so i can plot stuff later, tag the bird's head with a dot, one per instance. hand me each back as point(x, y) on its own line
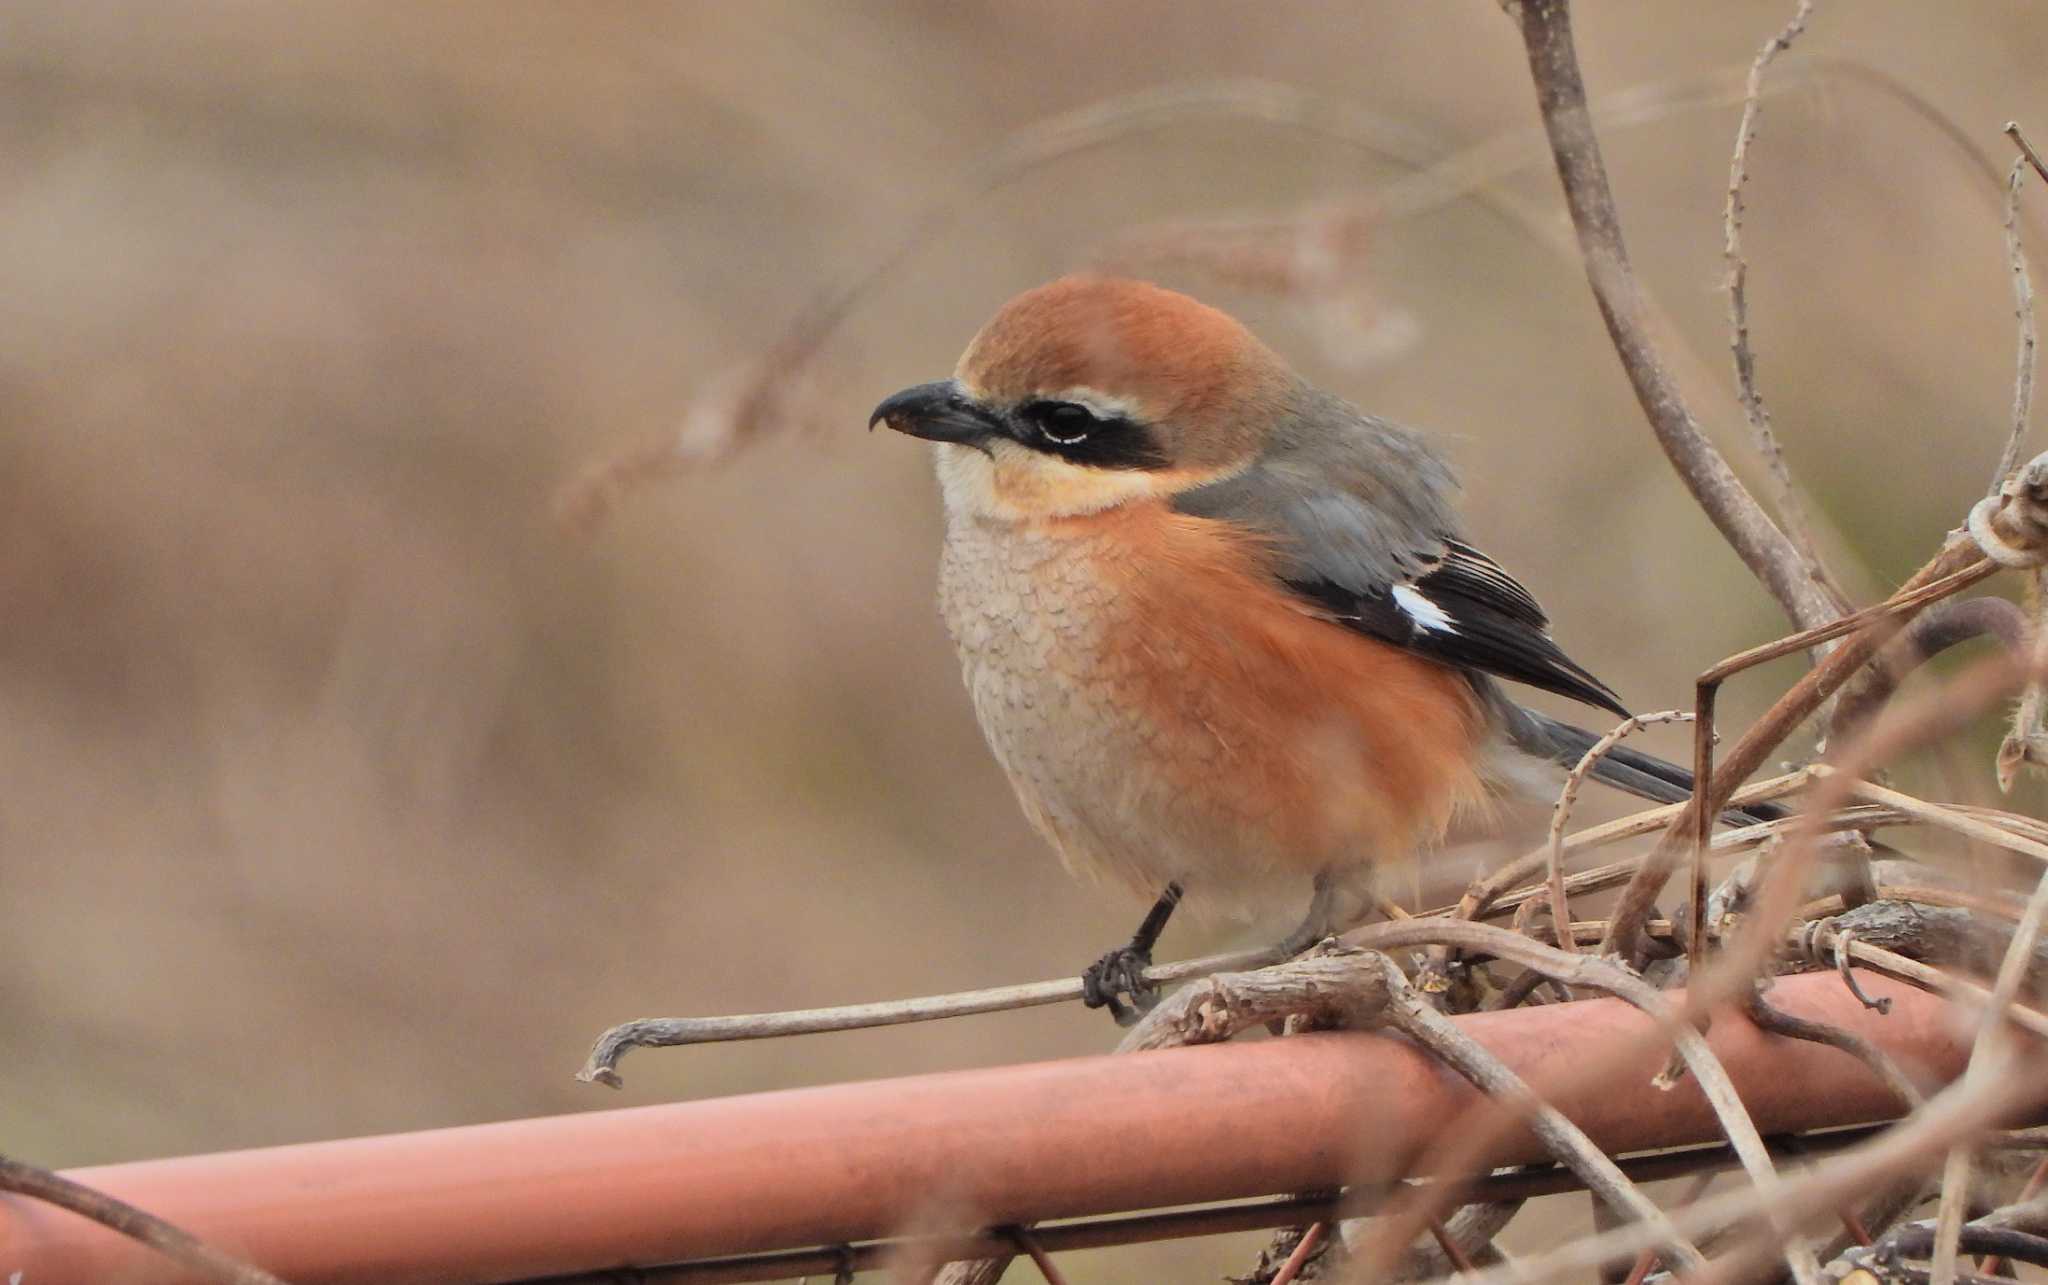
point(1091, 392)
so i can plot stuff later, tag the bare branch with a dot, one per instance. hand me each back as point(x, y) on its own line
point(765, 395)
point(1940, 981)
point(1790, 510)
point(2026, 739)
point(2023, 312)
point(1491, 896)
point(1951, 1115)
point(1940, 627)
point(1960, 564)
point(1769, 1017)
point(1407, 1012)
point(1326, 988)
point(173, 1242)
point(1984, 1059)
point(1304, 1249)
point(1606, 975)
point(1561, 97)
point(670, 1032)
point(1560, 815)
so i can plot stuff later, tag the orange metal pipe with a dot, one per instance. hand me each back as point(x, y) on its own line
point(1009, 1144)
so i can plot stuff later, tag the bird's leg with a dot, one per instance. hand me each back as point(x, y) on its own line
point(1122, 971)
point(1316, 924)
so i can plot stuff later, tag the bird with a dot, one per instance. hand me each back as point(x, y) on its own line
point(1222, 629)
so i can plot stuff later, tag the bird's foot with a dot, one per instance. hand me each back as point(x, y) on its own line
point(1119, 973)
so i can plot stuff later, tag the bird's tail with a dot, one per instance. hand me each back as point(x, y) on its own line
point(1644, 775)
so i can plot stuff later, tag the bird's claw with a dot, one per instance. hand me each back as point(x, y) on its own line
point(1120, 972)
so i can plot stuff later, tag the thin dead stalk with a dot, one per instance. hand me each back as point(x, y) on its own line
point(1991, 1038)
point(2024, 742)
point(1769, 1017)
point(1406, 1221)
point(1561, 99)
point(755, 399)
point(2023, 313)
point(1959, 565)
point(1790, 509)
point(1039, 1258)
point(1304, 1249)
point(1498, 888)
point(1560, 815)
point(1940, 981)
point(1409, 1013)
point(1903, 1149)
point(173, 1242)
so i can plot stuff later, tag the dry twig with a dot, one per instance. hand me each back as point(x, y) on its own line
point(173, 1242)
point(1560, 907)
point(1959, 565)
point(1768, 1017)
point(2023, 312)
point(1797, 529)
point(1304, 1249)
point(1403, 1224)
point(1903, 1149)
point(1940, 981)
point(749, 402)
point(1942, 626)
point(1991, 1036)
point(1561, 98)
point(1407, 1012)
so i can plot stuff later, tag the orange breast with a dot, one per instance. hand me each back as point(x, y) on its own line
point(1309, 743)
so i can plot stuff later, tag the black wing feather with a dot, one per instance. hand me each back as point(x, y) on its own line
point(1491, 624)
point(1380, 557)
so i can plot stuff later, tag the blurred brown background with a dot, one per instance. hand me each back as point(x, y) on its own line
point(341, 792)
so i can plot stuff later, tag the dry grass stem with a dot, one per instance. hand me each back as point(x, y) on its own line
point(1903, 1149)
point(1560, 815)
point(1985, 1051)
point(1304, 1249)
point(1959, 565)
point(1409, 1013)
point(1576, 971)
point(1039, 1258)
point(754, 400)
point(2026, 740)
point(173, 1242)
point(2011, 832)
point(1790, 509)
point(1941, 626)
point(1938, 980)
point(1561, 99)
point(2023, 314)
point(1499, 888)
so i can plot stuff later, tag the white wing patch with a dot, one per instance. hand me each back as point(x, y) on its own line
point(1426, 614)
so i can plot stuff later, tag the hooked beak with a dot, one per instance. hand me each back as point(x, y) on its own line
point(939, 412)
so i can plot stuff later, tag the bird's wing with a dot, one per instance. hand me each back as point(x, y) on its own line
point(1460, 608)
point(1385, 563)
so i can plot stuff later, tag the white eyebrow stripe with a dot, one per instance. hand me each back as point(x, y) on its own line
point(1426, 614)
point(1101, 405)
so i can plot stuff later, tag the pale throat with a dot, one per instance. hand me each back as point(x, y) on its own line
point(1014, 483)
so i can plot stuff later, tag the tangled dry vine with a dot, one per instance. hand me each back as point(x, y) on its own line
point(1899, 914)
point(1809, 891)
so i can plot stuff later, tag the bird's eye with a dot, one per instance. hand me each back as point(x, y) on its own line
point(1063, 423)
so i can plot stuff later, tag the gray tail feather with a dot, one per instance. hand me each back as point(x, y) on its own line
point(1644, 775)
